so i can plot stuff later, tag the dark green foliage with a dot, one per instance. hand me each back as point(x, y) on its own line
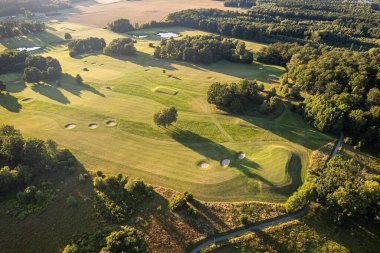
point(40, 68)
point(117, 197)
point(81, 46)
point(332, 22)
point(243, 218)
point(68, 36)
point(240, 3)
point(3, 87)
point(177, 203)
point(300, 198)
point(165, 117)
point(10, 28)
point(188, 196)
point(113, 239)
point(126, 240)
point(120, 46)
point(12, 61)
point(121, 26)
point(71, 201)
point(203, 49)
point(234, 96)
point(28, 159)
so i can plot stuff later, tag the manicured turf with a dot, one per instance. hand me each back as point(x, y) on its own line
point(123, 90)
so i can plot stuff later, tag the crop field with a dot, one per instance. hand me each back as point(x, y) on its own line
point(107, 120)
point(100, 12)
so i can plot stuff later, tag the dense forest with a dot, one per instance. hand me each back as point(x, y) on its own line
point(343, 25)
point(344, 86)
point(203, 49)
point(10, 28)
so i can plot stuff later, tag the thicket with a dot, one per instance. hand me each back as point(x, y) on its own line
point(203, 49)
point(38, 68)
point(81, 46)
point(120, 46)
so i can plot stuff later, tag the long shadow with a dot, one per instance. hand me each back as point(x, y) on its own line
point(16, 86)
point(68, 83)
point(207, 213)
point(10, 102)
point(51, 92)
point(216, 152)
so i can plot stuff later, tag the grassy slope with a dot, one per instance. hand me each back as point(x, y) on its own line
point(136, 147)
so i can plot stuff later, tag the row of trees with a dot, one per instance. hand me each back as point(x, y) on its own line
point(121, 46)
point(10, 28)
point(36, 68)
point(236, 97)
point(276, 22)
point(240, 3)
point(204, 49)
point(88, 45)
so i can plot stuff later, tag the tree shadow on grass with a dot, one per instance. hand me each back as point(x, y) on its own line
point(69, 84)
point(51, 92)
point(10, 102)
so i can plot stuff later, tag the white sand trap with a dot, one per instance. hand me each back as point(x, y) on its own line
point(70, 126)
point(204, 165)
point(26, 100)
point(111, 123)
point(92, 126)
point(241, 156)
point(226, 162)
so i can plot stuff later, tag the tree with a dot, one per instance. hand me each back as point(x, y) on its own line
point(32, 75)
point(120, 46)
point(79, 79)
point(121, 26)
point(68, 36)
point(12, 149)
point(3, 87)
point(373, 96)
point(165, 117)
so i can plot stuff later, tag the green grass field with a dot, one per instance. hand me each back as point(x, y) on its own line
point(130, 90)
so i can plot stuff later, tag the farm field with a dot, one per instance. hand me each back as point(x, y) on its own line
point(100, 12)
point(107, 121)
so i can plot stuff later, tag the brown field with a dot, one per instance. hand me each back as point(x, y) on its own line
point(99, 13)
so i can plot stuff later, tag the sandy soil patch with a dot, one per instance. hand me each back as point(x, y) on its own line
point(92, 125)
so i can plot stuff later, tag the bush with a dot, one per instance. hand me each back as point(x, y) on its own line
point(243, 218)
point(71, 201)
point(177, 203)
point(81, 178)
point(188, 196)
point(300, 198)
point(126, 240)
point(68, 36)
point(192, 212)
point(71, 248)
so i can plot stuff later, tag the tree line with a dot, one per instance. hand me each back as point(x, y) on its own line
point(13, 7)
point(10, 28)
point(35, 67)
point(120, 46)
point(279, 22)
point(203, 49)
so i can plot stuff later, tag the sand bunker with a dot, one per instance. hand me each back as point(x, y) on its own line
point(241, 156)
point(111, 123)
point(204, 165)
point(92, 126)
point(26, 100)
point(226, 162)
point(70, 126)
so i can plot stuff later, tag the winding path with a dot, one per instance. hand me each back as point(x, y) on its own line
point(265, 224)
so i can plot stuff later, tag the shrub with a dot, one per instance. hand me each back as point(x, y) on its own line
point(188, 196)
point(71, 248)
point(177, 203)
point(126, 240)
point(192, 212)
point(71, 201)
point(68, 36)
point(300, 198)
point(243, 218)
